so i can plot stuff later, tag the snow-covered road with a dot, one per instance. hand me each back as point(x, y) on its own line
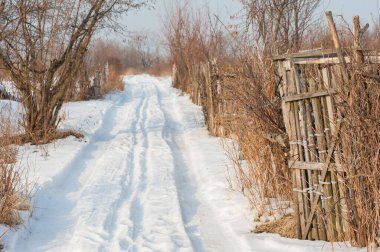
point(147, 178)
point(132, 187)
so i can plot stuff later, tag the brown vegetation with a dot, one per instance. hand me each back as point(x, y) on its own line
point(42, 47)
point(247, 105)
point(44, 52)
point(14, 196)
point(283, 227)
point(231, 74)
point(358, 103)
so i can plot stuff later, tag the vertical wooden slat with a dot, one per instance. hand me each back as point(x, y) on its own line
point(209, 97)
point(313, 103)
point(288, 119)
point(297, 149)
point(331, 199)
point(328, 192)
point(301, 125)
point(322, 149)
point(337, 45)
point(338, 191)
point(318, 226)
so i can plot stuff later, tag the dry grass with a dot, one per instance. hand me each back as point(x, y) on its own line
point(160, 69)
point(14, 196)
point(251, 114)
point(255, 119)
point(114, 82)
point(284, 227)
point(18, 139)
point(358, 103)
point(8, 128)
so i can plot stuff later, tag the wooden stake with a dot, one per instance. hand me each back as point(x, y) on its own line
point(303, 138)
point(288, 116)
point(337, 44)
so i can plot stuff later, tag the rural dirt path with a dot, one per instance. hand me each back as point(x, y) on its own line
point(138, 184)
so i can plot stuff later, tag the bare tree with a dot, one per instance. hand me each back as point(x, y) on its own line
point(193, 36)
point(142, 45)
point(42, 46)
point(279, 25)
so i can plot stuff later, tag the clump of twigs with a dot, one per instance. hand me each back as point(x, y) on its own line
point(239, 94)
point(260, 138)
point(283, 227)
point(358, 102)
point(234, 83)
point(14, 195)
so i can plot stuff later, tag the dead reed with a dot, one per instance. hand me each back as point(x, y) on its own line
point(239, 94)
point(14, 196)
point(283, 227)
point(114, 81)
point(358, 103)
point(260, 134)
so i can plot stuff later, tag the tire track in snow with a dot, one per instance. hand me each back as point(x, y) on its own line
point(112, 161)
point(117, 224)
point(187, 204)
point(156, 195)
point(136, 208)
point(198, 216)
point(131, 187)
point(59, 222)
point(128, 223)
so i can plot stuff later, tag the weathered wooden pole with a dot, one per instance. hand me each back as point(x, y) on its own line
point(358, 35)
point(337, 44)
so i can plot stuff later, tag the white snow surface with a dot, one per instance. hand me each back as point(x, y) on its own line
point(8, 88)
point(147, 177)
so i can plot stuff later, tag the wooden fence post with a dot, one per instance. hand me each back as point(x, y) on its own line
point(337, 45)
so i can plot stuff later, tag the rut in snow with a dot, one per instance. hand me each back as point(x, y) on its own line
point(133, 186)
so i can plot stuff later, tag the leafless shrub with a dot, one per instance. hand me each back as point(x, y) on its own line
point(42, 47)
point(192, 37)
point(278, 26)
point(12, 196)
point(358, 103)
point(251, 104)
point(274, 27)
point(261, 137)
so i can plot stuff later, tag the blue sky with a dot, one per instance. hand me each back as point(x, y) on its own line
point(366, 9)
point(152, 19)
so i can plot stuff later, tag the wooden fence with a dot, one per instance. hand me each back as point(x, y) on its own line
point(205, 87)
point(308, 89)
point(309, 86)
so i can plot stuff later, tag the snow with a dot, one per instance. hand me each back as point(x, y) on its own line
point(7, 88)
point(147, 177)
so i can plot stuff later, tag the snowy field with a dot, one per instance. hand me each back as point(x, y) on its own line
point(147, 177)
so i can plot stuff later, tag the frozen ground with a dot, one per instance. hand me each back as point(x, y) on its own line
point(147, 177)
